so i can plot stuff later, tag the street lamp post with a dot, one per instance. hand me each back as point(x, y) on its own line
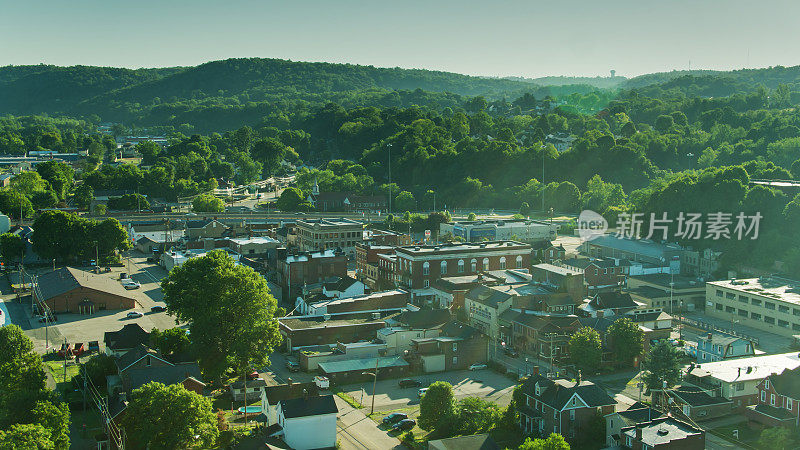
point(374, 383)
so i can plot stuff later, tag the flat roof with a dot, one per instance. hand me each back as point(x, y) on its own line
point(664, 279)
point(461, 247)
point(557, 269)
point(746, 369)
point(253, 240)
point(361, 364)
point(339, 222)
point(503, 223)
point(768, 287)
point(300, 323)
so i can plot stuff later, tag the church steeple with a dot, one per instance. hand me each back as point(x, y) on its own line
point(315, 189)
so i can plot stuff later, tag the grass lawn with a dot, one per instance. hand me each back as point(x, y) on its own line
point(746, 434)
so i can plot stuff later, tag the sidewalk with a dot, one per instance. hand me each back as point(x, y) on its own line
point(357, 431)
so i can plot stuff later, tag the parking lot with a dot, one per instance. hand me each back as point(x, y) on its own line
point(84, 328)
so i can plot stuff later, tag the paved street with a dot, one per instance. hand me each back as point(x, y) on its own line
point(357, 431)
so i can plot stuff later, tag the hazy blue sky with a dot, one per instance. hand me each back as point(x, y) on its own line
point(522, 38)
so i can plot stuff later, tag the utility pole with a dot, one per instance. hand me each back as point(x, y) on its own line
point(390, 178)
point(542, 179)
point(65, 360)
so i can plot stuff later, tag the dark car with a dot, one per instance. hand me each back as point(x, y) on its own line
point(158, 308)
point(403, 425)
point(292, 366)
point(408, 382)
point(394, 417)
point(511, 352)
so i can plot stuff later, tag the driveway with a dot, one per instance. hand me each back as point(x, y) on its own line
point(357, 431)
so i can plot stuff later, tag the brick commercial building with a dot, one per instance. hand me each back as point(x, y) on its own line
point(72, 290)
point(457, 347)
point(294, 271)
point(386, 237)
point(494, 230)
point(367, 263)
point(560, 278)
point(322, 234)
point(653, 290)
point(417, 267)
point(603, 273)
point(328, 329)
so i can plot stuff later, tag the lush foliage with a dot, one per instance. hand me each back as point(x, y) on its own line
point(207, 203)
point(67, 237)
point(231, 314)
point(661, 366)
point(626, 340)
point(552, 442)
point(436, 406)
point(585, 350)
point(169, 417)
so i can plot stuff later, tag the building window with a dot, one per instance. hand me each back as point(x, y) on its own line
point(772, 399)
point(426, 268)
point(769, 305)
point(455, 360)
point(719, 293)
point(485, 264)
point(460, 266)
point(503, 263)
point(519, 262)
point(783, 323)
point(783, 309)
point(789, 403)
point(763, 396)
point(426, 283)
point(766, 384)
point(743, 299)
point(473, 265)
point(730, 295)
point(755, 302)
point(718, 306)
point(769, 320)
point(455, 346)
point(739, 386)
point(755, 316)
point(444, 267)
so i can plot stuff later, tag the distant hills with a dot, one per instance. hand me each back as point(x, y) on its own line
point(131, 95)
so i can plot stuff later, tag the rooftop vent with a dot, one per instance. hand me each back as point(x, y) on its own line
point(662, 432)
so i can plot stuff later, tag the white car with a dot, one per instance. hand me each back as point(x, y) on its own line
point(127, 283)
point(134, 315)
point(477, 366)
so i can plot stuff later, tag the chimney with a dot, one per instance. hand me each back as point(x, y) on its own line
point(578, 379)
point(289, 381)
point(639, 434)
point(708, 336)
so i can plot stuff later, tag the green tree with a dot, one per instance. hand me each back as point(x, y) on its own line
point(55, 418)
point(13, 202)
point(84, 196)
point(270, 152)
point(661, 365)
point(777, 438)
point(552, 442)
point(21, 368)
point(58, 174)
point(98, 367)
point(796, 169)
point(171, 341)
point(293, 199)
point(626, 340)
point(436, 406)
point(100, 209)
point(129, 202)
point(585, 349)
point(28, 183)
point(207, 203)
point(476, 415)
point(26, 436)
point(109, 235)
point(169, 417)
point(11, 247)
point(525, 209)
point(231, 314)
point(664, 123)
point(471, 217)
point(405, 202)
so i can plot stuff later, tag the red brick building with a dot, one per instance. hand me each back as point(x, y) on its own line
point(329, 329)
point(417, 267)
point(778, 400)
point(598, 274)
point(293, 271)
point(72, 290)
point(367, 270)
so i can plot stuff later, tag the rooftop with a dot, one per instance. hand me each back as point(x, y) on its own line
point(770, 287)
point(66, 279)
point(300, 323)
point(504, 223)
point(557, 269)
point(320, 223)
point(301, 257)
point(474, 442)
point(419, 250)
point(745, 369)
point(642, 247)
point(253, 240)
point(664, 279)
point(662, 431)
point(311, 406)
point(361, 364)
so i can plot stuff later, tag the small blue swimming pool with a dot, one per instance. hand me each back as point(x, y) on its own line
point(250, 409)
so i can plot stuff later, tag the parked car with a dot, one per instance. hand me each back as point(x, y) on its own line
point(94, 346)
point(292, 366)
point(134, 315)
point(66, 350)
point(409, 382)
point(511, 352)
point(421, 392)
point(79, 349)
point(477, 366)
point(403, 425)
point(158, 308)
point(322, 382)
point(394, 417)
point(131, 284)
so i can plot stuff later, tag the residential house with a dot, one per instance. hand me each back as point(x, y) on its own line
point(206, 228)
point(562, 406)
point(737, 379)
point(73, 290)
point(598, 273)
point(456, 348)
point(343, 287)
point(778, 400)
point(544, 336)
point(612, 303)
point(129, 337)
point(716, 347)
point(483, 306)
point(297, 417)
point(142, 365)
point(272, 395)
point(616, 421)
point(255, 389)
point(560, 278)
point(662, 434)
point(554, 253)
point(474, 442)
point(409, 325)
point(700, 404)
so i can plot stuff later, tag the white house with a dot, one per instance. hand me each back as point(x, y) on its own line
point(308, 423)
